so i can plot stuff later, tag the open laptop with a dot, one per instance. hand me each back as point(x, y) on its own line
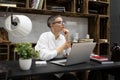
point(80, 53)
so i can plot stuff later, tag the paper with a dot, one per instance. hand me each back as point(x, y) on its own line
point(41, 62)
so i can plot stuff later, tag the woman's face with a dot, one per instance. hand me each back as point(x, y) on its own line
point(58, 25)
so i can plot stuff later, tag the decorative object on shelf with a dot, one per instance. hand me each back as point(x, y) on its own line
point(18, 25)
point(75, 37)
point(115, 52)
point(26, 52)
point(3, 35)
point(79, 4)
point(87, 36)
point(103, 40)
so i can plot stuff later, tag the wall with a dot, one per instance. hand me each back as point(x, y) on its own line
point(75, 25)
point(115, 21)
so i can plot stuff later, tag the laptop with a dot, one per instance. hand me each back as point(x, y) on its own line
point(80, 53)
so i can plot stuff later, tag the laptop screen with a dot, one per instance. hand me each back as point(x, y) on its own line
point(80, 53)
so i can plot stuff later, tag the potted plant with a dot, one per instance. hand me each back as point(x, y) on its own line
point(26, 52)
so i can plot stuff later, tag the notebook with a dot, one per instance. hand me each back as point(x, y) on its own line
point(80, 52)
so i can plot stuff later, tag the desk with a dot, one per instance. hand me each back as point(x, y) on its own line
point(14, 70)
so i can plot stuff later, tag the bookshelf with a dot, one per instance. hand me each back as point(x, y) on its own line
point(4, 50)
point(97, 12)
point(4, 44)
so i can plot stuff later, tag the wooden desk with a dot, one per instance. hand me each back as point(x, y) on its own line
point(14, 70)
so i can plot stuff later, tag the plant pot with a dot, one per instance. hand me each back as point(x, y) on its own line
point(25, 64)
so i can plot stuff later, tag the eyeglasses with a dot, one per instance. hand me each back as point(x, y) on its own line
point(59, 22)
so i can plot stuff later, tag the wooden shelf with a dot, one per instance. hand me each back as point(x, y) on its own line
point(97, 12)
point(46, 12)
point(4, 50)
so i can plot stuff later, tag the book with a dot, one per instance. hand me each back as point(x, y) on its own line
point(40, 5)
point(101, 59)
point(34, 4)
point(37, 4)
point(98, 58)
point(103, 62)
point(57, 8)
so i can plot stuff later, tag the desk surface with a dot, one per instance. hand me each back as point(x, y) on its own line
point(15, 71)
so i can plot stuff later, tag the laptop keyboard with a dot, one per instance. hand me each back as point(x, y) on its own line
point(64, 61)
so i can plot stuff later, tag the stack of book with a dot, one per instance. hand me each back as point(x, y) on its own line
point(85, 40)
point(103, 40)
point(100, 59)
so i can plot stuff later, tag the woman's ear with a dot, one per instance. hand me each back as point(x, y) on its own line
point(51, 25)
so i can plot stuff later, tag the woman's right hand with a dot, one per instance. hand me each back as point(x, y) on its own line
point(66, 34)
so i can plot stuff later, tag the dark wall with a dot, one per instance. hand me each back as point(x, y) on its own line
point(115, 21)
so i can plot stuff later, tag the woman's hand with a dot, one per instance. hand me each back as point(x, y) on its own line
point(66, 45)
point(66, 34)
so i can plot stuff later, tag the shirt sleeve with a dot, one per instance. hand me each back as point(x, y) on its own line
point(42, 46)
point(67, 51)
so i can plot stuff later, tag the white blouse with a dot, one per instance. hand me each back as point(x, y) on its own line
point(47, 45)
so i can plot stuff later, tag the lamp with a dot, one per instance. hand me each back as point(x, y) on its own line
point(18, 25)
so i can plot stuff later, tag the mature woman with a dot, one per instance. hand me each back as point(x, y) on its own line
point(53, 44)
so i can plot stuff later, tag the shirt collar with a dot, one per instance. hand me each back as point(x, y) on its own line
point(54, 35)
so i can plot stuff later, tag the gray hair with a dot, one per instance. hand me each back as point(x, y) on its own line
point(51, 19)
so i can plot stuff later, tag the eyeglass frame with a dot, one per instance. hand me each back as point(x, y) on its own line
point(59, 22)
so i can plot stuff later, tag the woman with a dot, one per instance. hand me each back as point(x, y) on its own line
point(53, 44)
